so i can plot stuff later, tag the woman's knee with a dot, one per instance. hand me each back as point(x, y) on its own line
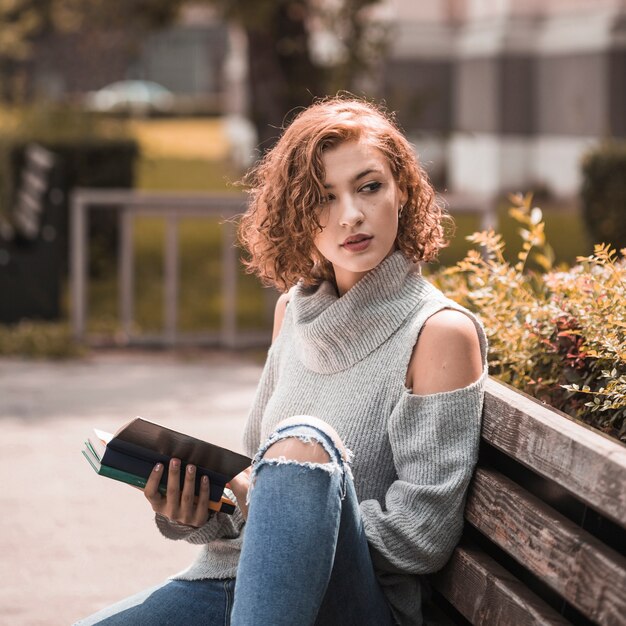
point(295, 449)
point(305, 448)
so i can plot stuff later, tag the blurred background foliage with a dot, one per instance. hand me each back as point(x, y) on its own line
point(191, 154)
point(603, 192)
point(557, 334)
point(283, 75)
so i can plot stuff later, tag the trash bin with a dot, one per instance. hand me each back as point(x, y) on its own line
point(31, 254)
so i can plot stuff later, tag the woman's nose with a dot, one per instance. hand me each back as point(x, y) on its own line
point(351, 214)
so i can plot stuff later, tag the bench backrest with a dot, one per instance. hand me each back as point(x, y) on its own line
point(545, 521)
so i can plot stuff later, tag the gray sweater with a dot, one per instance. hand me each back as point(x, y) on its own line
point(344, 360)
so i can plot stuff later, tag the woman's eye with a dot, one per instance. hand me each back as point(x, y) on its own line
point(326, 199)
point(371, 187)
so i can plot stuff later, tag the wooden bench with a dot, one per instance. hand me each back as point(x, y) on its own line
point(545, 531)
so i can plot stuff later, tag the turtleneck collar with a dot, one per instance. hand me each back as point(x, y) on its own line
point(333, 333)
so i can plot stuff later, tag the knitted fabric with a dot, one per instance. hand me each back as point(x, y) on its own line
point(344, 360)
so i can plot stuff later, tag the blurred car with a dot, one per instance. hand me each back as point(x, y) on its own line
point(136, 97)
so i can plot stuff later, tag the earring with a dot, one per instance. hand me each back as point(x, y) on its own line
point(400, 211)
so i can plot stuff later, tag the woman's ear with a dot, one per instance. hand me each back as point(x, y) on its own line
point(404, 196)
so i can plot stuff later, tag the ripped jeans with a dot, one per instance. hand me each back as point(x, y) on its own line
point(305, 558)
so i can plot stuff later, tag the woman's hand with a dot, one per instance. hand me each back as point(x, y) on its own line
point(179, 507)
point(239, 486)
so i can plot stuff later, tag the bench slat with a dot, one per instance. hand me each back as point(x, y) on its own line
point(583, 461)
point(588, 574)
point(485, 593)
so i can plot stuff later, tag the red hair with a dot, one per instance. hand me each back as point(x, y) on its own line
point(287, 186)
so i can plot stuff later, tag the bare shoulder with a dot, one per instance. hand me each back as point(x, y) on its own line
point(279, 313)
point(446, 355)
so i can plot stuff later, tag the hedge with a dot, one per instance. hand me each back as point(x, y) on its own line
point(604, 193)
point(557, 334)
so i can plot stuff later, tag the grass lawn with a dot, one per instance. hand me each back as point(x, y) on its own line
point(175, 174)
point(565, 232)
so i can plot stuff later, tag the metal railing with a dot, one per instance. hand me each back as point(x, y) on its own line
point(172, 208)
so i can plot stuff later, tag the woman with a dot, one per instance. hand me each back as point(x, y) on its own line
point(366, 421)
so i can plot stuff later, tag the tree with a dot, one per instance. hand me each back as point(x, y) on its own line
point(284, 73)
point(24, 22)
point(20, 23)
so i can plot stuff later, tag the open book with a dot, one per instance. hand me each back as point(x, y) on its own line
point(131, 454)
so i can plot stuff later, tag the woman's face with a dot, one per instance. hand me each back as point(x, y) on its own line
point(359, 217)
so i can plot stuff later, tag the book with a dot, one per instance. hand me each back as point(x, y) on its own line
point(131, 453)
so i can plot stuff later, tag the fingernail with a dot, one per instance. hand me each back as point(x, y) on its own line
point(158, 467)
point(175, 463)
point(191, 469)
point(205, 480)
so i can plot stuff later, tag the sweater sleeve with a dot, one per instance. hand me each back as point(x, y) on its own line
point(222, 525)
point(218, 526)
point(434, 439)
point(264, 391)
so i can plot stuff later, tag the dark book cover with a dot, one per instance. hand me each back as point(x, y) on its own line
point(137, 446)
point(223, 505)
point(142, 437)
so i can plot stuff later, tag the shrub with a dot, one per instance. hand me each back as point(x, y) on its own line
point(604, 193)
point(38, 340)
point(90, 152)
point(557, 335)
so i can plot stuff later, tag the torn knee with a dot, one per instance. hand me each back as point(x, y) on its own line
point(317, 424)
point(295, 449)
point(309, 444)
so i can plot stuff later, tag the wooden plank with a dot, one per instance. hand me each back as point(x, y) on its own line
point(486, 593)
point(585, 462)
point(577, 565)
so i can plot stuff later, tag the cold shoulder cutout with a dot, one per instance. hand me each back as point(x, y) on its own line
point(446, 355)
point(279, 314)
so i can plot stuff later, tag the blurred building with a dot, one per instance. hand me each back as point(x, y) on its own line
point(495, 94)
point(186, 58)
point(507, 94)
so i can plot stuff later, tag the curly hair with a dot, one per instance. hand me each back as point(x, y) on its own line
point(287, 185)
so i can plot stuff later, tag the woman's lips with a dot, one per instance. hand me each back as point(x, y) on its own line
point(358, 244)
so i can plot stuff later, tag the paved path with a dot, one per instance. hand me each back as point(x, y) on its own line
point(71, 541)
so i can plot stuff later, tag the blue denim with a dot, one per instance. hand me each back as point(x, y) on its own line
point(173, 603)
point(305, 558)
